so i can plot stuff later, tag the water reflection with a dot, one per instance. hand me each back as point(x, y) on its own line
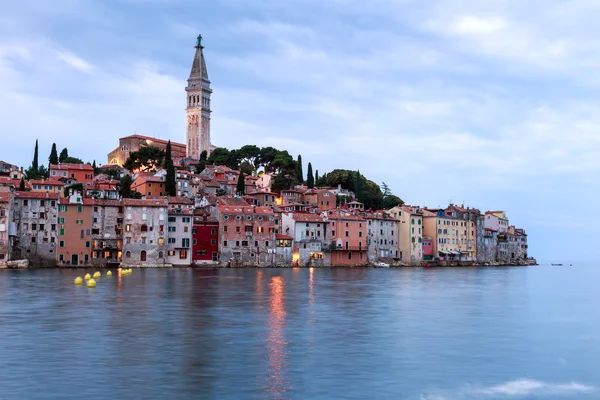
point(277, 383)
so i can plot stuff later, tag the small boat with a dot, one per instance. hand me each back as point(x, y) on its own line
point(382, 265)
point(556, 265)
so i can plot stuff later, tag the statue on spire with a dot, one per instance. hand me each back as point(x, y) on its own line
point(199, 40)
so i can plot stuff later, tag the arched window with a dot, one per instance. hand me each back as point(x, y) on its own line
point(413, 239)
point(143, 255)
point(127, 254)
point(161, 254)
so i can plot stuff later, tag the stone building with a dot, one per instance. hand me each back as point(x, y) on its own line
point(247, 234)
point(183, 182)
point(75, 230)
point(480, 239)
point(145, 233)
point(132, 143)
point(107, 233)
point(35, 216)
point(487, 251)
point(310, 235)
point(382, 236)
point(179, 247)
point(6, 205)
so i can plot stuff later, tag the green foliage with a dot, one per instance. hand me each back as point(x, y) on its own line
point(53, 159)
point(246, 167)
point(241, 185)
point(125, 187)
point(73, 160)
point(385, 189)
point(220, 156)
point(113, 173)
point(299, 172)
point(280, 183)
point(221, 192)
point(310, 179)
point(251, 154)
point(203, 155)
point(148, 158)
point(34, 163)
point(64, 154)
point(391, 201)
point(170, 182)
point(316, 177)
point(267, 155)
point(76, 187)
point(366, 191)
point(22, 184)
point(321, 181)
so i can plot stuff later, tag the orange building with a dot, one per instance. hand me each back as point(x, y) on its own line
point(50, 185)
point(78, 172)
point(75, 215)
point(149, 185)
point(323, 199)
point(348, 238)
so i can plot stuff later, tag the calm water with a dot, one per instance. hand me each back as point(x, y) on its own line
point(423, 334)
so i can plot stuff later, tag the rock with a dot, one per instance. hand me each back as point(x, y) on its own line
point(18, 264)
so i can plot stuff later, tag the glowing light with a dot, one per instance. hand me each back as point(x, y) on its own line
point(276, 383)
point(278, 201)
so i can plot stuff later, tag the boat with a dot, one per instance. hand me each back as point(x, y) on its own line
point(382, 265)
point(556, 265)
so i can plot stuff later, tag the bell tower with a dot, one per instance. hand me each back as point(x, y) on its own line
point(198, 106)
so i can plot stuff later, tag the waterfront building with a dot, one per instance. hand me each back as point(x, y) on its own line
point(497, 221)
point(382, 236)
point(6, 206)
point(35, 216)
point(487, 251)
point(427, 248)
point(247, 234)
point(205, 236)
point(180, 237)
point(107, 233)
point(467, 229)
point(480, 238)
point(145, 234)
point(6, 168)
point(198, 106)
point(524, 247)
point(348, 238)
point(310, 235)
point(72, 172)
point(75, 216)
point(410, 232)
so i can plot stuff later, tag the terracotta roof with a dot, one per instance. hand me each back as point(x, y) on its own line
point(262, 194)
point(152, 139)
point(108, 203)
point(181, 211)
point(231, 201)
point(37, 195)
point(85, 201)
point(145, 203)
point(8, 181)
point(283, 237)
point(307, 217)
point(4, 197)
point(245, 210)
point(180, 200)
point(151, 179)
point(55, 182)
point(83, 167)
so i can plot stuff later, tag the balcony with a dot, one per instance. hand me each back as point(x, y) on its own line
point(248, 233)
point(348, 248)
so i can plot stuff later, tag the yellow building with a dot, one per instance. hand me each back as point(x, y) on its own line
point(453, 232)
point(410, 233)
point(50, 186)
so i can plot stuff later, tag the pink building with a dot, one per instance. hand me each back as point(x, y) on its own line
point(427, 248)
point(348, 238)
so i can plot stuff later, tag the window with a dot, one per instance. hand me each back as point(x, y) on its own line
point(185, 242)
point(172, 219)
point(183, 254)
point(143, 240)
point(127, 240)
point(213, 241)
point(144, 228)
point(213, 231)
point(172, 240)
point(143, 255)
point(87, 244)
point(245, 243)
point(61, 232)
point(224, 243)
point(224, 228)
point(347, 233)
point(332, 233)
point(172, 229)
point(360, 234)
point(161, 241)
point(259, 229)
point(79, 209)
point(34, 227)
point(349, 255)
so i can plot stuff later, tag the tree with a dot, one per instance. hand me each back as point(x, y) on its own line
point(267, 155)
point(251, 154)
point(170, 182)
point(299, 172)
point(241, 185)
point(391, 201)
point(202, 163)
point(282, 161)
point(34, 163)
point(220, 156)
point(246, 167)
point(53, 159)
point(358, 187)
point(385, 189)
point(221, 192)
point(280, 183)
point(316, 178)
point(310, 179)
point(148, 158)
point(64, 154)
point(72, 160)
point(125, 187)
point(76, 187)
point(96, 169)
point(321, 181)
point(22, 184)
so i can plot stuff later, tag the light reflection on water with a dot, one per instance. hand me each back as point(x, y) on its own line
point(302, 334)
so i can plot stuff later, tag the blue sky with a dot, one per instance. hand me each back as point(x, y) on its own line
point(490, 103)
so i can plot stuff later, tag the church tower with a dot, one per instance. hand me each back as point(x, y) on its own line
point(198, 106)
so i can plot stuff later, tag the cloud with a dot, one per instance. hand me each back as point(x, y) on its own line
point(75, 62)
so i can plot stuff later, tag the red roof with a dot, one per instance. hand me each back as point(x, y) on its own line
point(67, 167)
point(180, 200)
point(109, 203)
point(181, 211)
point(37, 195)
point(145, 203)
point(283, 237)
point(152, 139)
point(54, 182)
point(85, 201)
point(302, 217)
point(245, 210)
point(4, 197)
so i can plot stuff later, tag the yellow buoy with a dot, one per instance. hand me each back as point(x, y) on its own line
point(87, 277)
point(109, 273)
point(97, 275)
point(91, 283)
point(78, 280)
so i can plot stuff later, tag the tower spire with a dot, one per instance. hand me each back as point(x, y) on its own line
point(198, 105)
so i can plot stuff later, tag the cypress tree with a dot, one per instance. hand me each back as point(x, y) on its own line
point(22, 184)
point(310, 179)
point(317, 177)
point(241, 185)
point(170, 183)
point(358, 186)
point(64, 154)
point(34, 163)
point(299, 169)
point(53, 159)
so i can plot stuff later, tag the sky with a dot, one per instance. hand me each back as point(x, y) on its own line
point(490, 104)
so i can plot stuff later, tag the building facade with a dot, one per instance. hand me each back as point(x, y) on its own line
point(348, 238)
point(75, 216)
point(145, 233)
point(107, 233)
point(6, 205)
point(309, 234)
point(180, 224)
point(205, 237)
point(382, 236)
